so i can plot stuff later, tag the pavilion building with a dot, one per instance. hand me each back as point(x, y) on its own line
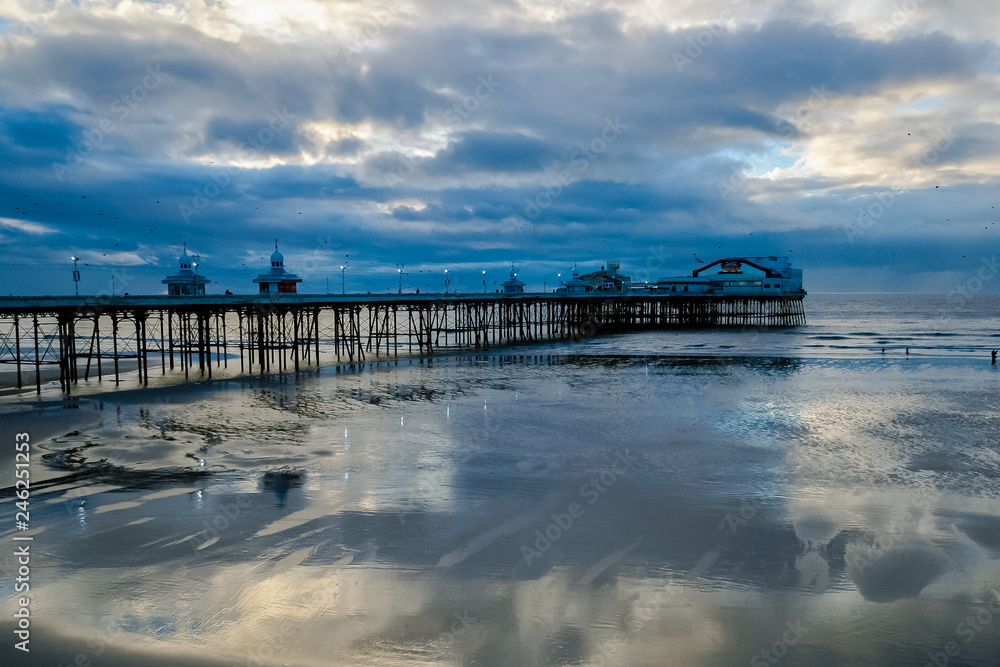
point(186, 282)
point(608, 279)
point(512, 285)
point(277, 280)
point(738, 276)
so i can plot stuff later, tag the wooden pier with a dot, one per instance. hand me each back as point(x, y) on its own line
point(96, 336)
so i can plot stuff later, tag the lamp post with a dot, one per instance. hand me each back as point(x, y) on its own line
point(399, 270)
point(484, 282)
point(446, 281)
point(343, 290)
point(76, 274)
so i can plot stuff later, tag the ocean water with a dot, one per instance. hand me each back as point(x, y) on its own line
point(794, 497)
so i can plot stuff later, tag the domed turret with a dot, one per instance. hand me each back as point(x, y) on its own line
point(513, 285)
point(186, 282)
point(277, 279)
point(577, 285)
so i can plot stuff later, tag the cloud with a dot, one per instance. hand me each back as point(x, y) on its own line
point(492, 152)
point(27, 226)
point(245, 133)
point(783, 124)
point(43, 130)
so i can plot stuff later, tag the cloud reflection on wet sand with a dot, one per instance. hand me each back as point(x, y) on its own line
point(331, 528)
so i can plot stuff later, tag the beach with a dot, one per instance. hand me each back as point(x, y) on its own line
point(622, 500)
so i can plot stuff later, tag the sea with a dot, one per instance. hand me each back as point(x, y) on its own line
point(822, 495)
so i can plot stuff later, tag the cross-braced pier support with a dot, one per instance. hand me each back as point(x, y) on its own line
point(83, 337)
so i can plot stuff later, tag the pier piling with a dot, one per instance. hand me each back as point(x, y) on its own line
point(281, 332)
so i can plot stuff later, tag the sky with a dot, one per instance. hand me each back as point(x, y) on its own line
point(860, 139)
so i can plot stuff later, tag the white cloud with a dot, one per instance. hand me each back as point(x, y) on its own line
point(27, 226)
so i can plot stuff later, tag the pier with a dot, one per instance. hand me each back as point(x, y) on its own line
point(94, 337)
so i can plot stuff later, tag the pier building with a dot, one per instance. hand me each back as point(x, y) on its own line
point(186, 282)
point(737, 276)
point(512, 285)
point(575, 285)
point(277, 280)
point(607, 280)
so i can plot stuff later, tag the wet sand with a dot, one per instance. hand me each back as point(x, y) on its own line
point(49, 377)
point(52, 649)
point(530, 509)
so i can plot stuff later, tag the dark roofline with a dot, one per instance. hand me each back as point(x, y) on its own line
point(194, 279)
point(277, 278)
point(605, 274)
point(743, 260)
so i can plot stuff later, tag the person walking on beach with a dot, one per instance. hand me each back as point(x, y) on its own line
point(994, 353)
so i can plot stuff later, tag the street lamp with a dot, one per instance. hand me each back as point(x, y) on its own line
point(446, 281)
point(399, 270)
point(484, 282)
point(343, 290)
point(76, 274)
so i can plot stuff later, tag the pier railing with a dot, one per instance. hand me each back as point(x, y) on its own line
point(107, 336)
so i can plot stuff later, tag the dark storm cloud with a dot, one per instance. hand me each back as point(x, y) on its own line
point(433, 212)
point(219, 85)
point(235, 133)
point(492, 151)
point(780, 61)
point(383, 96)
point(43, 130)
point(972, 141)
